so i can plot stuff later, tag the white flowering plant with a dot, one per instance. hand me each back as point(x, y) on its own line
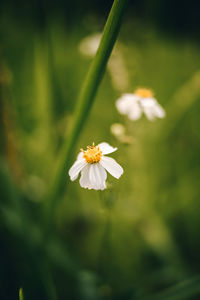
point(119, 218)
point(93, 164)
point(141, 101)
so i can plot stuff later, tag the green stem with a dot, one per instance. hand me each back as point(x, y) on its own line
point(86, 99)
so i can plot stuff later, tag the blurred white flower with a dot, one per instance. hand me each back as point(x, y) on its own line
point(116, 64)
point(119, 132)
point(142, 100)
point(93, 164)
point(117, 129)
point(89, 45)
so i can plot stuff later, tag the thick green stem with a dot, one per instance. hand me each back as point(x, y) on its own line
point(86, 98)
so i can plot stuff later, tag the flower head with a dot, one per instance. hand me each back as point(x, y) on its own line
point(142, 100)
point(89, 45)
point(93, 154)
point(119, 132)
point(117, 129)
point(93, 164)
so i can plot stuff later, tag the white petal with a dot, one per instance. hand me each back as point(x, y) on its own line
point(84, 180)
point(80, 155)
point(152, 109)
point(125, 103)
point(76, 168)
point(159, 111)
point(149, 112)
point(106, 148)
point(111, 166)
point(97, 176)
point(148, 102)
point(135, 112)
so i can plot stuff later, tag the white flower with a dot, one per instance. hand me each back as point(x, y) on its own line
point(117, 129)
point(89, 45)
point(116, 64)
point(93, 166)
point(119, 132)
point(142, 100)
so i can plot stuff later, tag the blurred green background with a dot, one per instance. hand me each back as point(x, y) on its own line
point(140, 238)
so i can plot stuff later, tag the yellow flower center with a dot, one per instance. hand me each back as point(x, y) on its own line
point(93, 154)
point(144, 93)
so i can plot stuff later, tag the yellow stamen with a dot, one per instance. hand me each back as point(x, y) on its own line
point(144, 93)
point(93, 154)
